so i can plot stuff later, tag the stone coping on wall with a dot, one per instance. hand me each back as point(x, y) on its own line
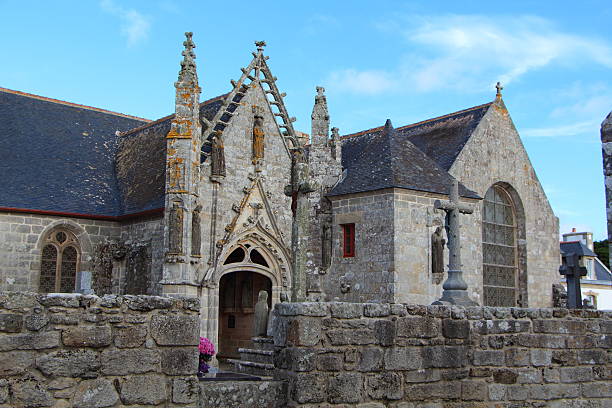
point(379, 355)
point(73, 350)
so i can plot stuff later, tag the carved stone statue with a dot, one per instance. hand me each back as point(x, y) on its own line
point(258, 135)
point(437, 255)
point(196, 231)
point(326, 245)
point(217, 157)
point(260, 327)
point(175, 226)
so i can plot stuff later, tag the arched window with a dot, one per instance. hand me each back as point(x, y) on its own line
point(60, 262)
point(499, 247)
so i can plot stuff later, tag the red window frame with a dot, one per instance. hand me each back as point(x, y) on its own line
point(348, 240)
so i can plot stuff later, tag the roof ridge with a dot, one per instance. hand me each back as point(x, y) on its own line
point(155, 122)
point(76, 105)
point(376, 129)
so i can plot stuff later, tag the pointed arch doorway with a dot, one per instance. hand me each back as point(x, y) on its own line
point(246, 272)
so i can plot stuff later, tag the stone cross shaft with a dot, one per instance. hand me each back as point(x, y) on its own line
point(573, 271)
point(455, 288)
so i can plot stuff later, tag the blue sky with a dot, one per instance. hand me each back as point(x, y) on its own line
point(403, 60)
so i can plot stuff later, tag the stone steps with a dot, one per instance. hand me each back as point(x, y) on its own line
point(263, 343)
point(256, 356)
point(253, 368)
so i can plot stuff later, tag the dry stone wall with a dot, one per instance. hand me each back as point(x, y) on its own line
point(404, 356)
point(86, 351)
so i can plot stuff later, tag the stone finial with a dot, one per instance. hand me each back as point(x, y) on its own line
point(606, 125)
point(188, 66)
point(499, 88)
point(335, 133)
point(388, 126)
point(320, 118)
point(260, 45)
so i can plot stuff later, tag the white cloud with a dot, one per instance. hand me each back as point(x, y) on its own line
point(367, 82)
point(472, 52)
point(574, 129)
point(135, 26)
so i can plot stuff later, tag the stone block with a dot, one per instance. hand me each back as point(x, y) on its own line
point(403, 358)
point(185, 390)
point(179, 360)
point(70, 363)
point(30, 341)
point(309, 388)
point(304, 331)
point(346, 310)
point(330, 362)
point(132, 336)
point(398, 310)
point(563, 326)
point(505, 376)
point(148, 389)
point(376, 310)
point(4, 391)
point(315, 309)
point(19, 300)
point(15, 362)
point(473, 391)
point(344, 337)
point(61, 300)
point(576, 374)
point(497, 392)
point(96, 393)
point(444, 356)
point(455, 329)
point(147, 303)
point(124, 362)
point(87, 336)
point(301, 359)
point(175, 330)
point(592, 357)
point(439, 311)
point(541, 357)
point(11, 322)
point(344, 388)
point(36, 321)
point(418, 327)
point(387, 386)
point(489, 358)
point(600, 389)
point(529, 376)
point(517, 357)
point(31, 393)
point(581, 342)
point(422, 376)
point(384, 331)
point(438, 390)
point(370, 359)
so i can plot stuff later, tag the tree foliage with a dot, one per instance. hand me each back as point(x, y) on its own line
point(601, 249)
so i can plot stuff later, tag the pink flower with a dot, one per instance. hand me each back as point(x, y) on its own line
point(206, 347)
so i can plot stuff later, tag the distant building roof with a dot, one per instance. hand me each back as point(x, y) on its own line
point(576, 247)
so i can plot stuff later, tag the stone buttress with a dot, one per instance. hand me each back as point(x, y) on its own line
point(182, 174)
point(606, 150)
point(325, 169)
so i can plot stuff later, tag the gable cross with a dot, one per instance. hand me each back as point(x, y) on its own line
point(455, 288)
point(499, 88)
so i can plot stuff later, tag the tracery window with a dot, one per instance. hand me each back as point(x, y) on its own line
point(499, 247)
point(60, 262)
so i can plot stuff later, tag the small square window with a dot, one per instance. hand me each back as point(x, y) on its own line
point(348, 240)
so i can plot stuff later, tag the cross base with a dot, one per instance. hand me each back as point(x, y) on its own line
point(455, 297)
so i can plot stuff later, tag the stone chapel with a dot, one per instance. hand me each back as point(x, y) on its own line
point(224, 198)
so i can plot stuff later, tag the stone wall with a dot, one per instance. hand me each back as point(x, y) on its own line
point(495, 155)
point(20, 245)
point(86, 351)
point(370, 274)
point(405, 356)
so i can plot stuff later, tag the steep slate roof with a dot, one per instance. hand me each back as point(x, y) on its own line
point(601, 273)
point(441, 138)
point(68, 158)
point(58, 156)
point(381, 158)
point(141, 161)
